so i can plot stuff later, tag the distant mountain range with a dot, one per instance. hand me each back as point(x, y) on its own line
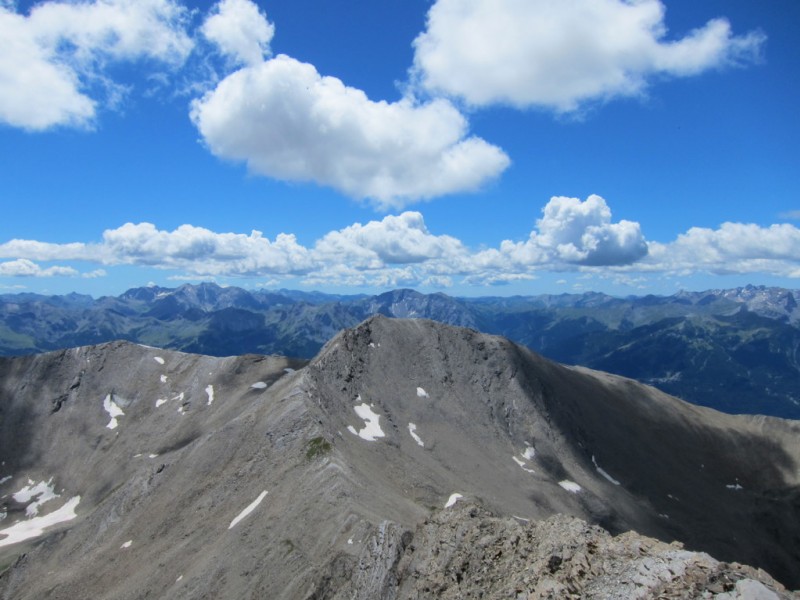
point(735, 350)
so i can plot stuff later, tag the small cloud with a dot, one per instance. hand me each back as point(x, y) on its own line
point(26, 268)
point(269, 283)
point(240, 31)
point(790, 215)
point(192, 278)
point(400, 239)
point(438, 281)
point(497, 279)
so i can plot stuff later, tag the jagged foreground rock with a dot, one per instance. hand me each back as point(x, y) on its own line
point(464, 552)
point(199, 477)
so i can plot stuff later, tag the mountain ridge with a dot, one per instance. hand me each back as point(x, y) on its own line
point(202, 439)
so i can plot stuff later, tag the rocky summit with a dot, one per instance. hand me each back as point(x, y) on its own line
point(409, 459)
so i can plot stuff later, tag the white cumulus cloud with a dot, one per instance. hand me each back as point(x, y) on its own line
point(53, 60)
point(732, 248)
point(402, 239)
point(202, 251)
point(560, 54)
point(25, 268)
point(400, 250)
point(288, 122)
point(240, 31)
point(35, 250)
point(577, 233)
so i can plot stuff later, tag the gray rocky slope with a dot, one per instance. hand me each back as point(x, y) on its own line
point(184, 476)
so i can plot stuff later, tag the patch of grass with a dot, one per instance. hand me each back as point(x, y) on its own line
point(318, 446)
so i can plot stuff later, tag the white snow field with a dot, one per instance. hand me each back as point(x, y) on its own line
point(412, 429)
point(39, 492)
point(452, 500)
point(25, 530)
point(113, 411)
point(372, 429)
point(250, 508)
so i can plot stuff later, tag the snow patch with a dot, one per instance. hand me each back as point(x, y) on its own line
point(523, 519)
point(412, 429)
point(288, 371)
point(603, 473)
point(163, 379)
point(152, 456)
point(421, 393)
point(259, 385)
point(570, 486)
point(25, 530)
point(163, 401)
point(6, 478)
point(350, 541)
point(529, 453)
point(113, 411)
point(521, 463)
point(734, 486)
point(38, 492)
point(452, 500)
point(210, 393)
point(372, 344)
point(250, 508)
point(159, 360)
point(372, 428)
point(126, 544)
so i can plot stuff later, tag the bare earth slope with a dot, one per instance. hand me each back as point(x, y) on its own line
point(200, 477)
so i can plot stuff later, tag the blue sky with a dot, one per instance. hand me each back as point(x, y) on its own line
point(475, 147)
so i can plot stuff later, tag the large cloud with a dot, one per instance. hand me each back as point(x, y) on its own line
point(733, 248)
point(287, 121)
point(560, 54)
point(52, 61)
point(240, 30)
point(577, 233)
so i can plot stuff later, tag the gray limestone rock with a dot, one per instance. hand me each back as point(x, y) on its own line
point(170, 475)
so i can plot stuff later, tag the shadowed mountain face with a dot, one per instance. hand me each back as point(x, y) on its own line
point(733, 350)
point(255, 477)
